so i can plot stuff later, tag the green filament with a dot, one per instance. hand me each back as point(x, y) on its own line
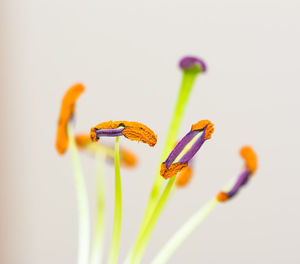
point(184, 92)
point(97, 247)
point(142, 243)
point(163, 199)
point(178, 238)
point(115, 243)
point(82, 200)
point(183, 96)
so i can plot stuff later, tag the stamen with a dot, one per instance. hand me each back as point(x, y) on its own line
point(182, 233)
point(250, 158)
point(131, 130)
point(186, 149)
point(66, 112)
point(188, 80)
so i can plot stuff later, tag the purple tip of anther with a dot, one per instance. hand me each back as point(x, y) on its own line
point(242, 180)
point(189, 62)
point(109, 132)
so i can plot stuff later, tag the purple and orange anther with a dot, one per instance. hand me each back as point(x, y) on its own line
point(66, 113)
point(131, 130)
point(186, 148)
point(250, 159)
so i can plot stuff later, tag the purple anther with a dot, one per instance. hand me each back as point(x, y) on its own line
point(194, 149)
point(242, 179)
point(179, 147)
point(190, 62)
point(182, 144)
point(109, 132)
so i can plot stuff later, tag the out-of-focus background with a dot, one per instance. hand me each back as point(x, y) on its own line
point(126, 53)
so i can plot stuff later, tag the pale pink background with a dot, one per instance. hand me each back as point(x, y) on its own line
point(126, 53)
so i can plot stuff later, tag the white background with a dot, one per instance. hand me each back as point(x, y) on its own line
point(126, 53)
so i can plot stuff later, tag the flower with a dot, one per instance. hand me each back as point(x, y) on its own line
point(250, 158)
point(178, 162)
point(127, 158)
point(66, 112)
point(131, 130)
point(187, 147)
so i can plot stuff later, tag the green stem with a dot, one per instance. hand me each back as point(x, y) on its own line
point(142, 243)
point(185, 89)
point(182, 98)
point(178, 238)
point(82, 200)
point(115, 243)
point(97, 247)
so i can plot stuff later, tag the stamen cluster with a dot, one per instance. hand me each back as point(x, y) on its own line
point(176, 168)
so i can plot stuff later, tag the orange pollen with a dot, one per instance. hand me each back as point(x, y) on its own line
point(66, 111)
point(127, 158)
point(172, 170)
point(184, 177)
point(248, 154)
point(201, 125)
point(82, 140)
point(132, 130)
point(222, 197)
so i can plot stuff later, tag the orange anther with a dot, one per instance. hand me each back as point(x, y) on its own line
point(250, 158)
point(222, 197)
point(66, 111)
point(201, 125)
point(172, 170)
point(132, 130)
point(184, 177)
